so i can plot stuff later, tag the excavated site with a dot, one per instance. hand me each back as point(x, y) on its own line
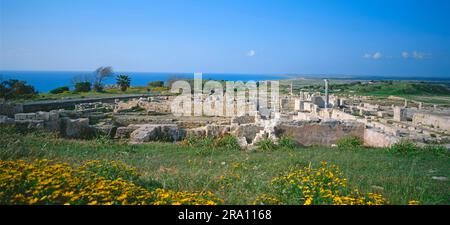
point(308, 118)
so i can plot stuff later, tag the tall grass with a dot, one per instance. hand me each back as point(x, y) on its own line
point(239, 177)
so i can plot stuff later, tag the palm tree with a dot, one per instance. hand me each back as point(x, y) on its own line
point(123, 81)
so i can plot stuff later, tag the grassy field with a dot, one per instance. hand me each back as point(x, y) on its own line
point(238, 177)
point(91, 94)
point(433, 93)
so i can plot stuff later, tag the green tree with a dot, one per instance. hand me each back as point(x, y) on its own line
point(15, 89)
point(83, 86)
point(59, 90)
point(155, 84)
point(123, 81)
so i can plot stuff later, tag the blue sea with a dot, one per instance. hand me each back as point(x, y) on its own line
point(45, 81)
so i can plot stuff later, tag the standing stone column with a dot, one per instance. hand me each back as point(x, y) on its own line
point(292, 89)
point(327, 97)
point(302, 95)
point(399, 114)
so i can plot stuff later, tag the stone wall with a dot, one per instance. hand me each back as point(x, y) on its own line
point(376, 138)
point(9, 110)
point(435, 120)
point(339, 115)
point(324, 133)
point(400, 114)
point(70, 103)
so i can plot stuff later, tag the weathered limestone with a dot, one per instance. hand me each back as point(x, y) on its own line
point(433, 120)
point(327, 97)
point(93, 107)
point(217, 130)
point(9, 109)
point(319, 101)
point(376, 138)
point(248, 131)
point(299, 105)
point(68, 113)
point(400, 114)
point(287, 103)
point(382, 114)
point(76, 128)
point(125, 132)
point(47, 120)
point(30, 124)
point(324, 133)
point(243, 120)
point(151, 132)
point(242, 142)
point(144, 133)
point(105, 130)
point(196, 132)
point(306, 116)
point(25, 116)
point(147, 104)
point(311, 118)
point(6, 120)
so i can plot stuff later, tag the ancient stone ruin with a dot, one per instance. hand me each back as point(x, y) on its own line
point(309, 118)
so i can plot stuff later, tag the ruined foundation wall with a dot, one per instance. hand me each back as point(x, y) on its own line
point(10, 109)
point(442, 122)
point(376, 138)
point(325, 134)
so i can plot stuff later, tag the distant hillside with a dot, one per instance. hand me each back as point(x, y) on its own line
point(387, 88)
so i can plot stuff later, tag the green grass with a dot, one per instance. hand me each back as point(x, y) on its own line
point(396, 88)
point(432, 93)
point(91, 94)
point(240, 176)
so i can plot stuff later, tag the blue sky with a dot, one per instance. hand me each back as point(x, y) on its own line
point(402, 38)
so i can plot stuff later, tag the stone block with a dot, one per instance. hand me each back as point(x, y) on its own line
point(76, 128)
point(43, 116)
point(25, 116)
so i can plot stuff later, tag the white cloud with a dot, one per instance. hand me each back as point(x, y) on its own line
point(375, 56)
point(251, 53)
point(405, 55)
point(415, 55)
point(418, 55)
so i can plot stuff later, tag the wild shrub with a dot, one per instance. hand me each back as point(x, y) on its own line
point(59, 90)
point(349, 142)
point(155, 84)
point(159, 89)
point(225, 142)
point(103, 139)
point(436, 149)
point(266, 144)
point(286, 142)
point(99, 87)
point(83, 86)
point(404, 147)
point(228, 142)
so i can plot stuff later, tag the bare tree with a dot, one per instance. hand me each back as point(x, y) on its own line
point(100, 74)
